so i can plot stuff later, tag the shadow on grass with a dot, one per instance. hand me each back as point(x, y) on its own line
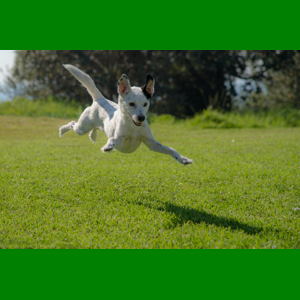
point(190, 215)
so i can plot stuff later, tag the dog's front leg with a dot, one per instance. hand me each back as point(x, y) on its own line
point(153, 145)
point(110, 145)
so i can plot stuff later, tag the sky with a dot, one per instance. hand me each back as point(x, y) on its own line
point(6, 60)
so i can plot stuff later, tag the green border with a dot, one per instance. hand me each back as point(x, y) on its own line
point(149, 274)
point(160, 25)
point(145, 274)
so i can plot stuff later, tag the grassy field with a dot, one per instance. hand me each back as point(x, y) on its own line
point(243, 190)
point(208, 119)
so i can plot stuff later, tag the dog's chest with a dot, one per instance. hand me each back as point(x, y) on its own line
point(129, 144)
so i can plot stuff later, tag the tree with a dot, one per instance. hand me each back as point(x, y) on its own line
point(41, 74)
point(283, 85)
point(187, 81)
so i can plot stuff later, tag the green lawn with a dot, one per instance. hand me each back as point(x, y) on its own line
point(243, 190)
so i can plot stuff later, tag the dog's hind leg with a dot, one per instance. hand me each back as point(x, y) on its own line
point(83, 126)
point(93, 135)
point(79, 128)
point(64, 129)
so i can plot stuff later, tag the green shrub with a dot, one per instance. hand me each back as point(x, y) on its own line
point(208, 119)
point(46, 108)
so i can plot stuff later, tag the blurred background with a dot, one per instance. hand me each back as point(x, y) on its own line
point(188, 82)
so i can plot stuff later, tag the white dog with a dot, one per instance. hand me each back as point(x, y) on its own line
point(125, 124)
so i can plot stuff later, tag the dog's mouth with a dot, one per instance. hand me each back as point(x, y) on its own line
point(136, 123)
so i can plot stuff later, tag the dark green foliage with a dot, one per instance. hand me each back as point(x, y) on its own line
point(248, 119)
point(208, 119)
point(187, 81)
point(44, 74)
point(283, 87)
point(47, 108)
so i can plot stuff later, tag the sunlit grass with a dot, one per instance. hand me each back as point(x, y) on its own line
point(249, 119)
point(36, 108)
point(241, 192)
point(208, 119)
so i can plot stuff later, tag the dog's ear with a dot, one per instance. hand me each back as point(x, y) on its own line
point(124, 85)
point(148, 88)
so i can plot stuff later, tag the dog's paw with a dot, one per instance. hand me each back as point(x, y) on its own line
point(61, 132)
point(106, 148)
point(184, 160)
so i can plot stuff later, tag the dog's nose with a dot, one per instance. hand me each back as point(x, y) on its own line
point(141, 118)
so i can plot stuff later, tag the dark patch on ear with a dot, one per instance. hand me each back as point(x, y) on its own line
point(148, 78)
point(148, 96)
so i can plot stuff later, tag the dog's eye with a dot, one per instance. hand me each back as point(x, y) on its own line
point(131, 104)
point(145, 104)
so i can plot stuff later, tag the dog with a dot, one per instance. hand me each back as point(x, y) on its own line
point(125, 124)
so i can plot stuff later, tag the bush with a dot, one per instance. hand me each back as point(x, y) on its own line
point(46, 108)
point(250, 119)
point(207, 119)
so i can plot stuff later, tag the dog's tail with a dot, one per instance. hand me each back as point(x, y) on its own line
point(86, 80)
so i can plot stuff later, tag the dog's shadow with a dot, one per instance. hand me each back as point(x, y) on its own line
point(190, 215)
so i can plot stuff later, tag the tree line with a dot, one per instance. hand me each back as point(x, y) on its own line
point(187, 81)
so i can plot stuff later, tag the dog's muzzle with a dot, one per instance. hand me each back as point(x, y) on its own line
point(136, 123)
point(141, 119)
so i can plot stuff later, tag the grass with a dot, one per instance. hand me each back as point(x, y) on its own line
point(247, 119)
point(36, 108)
point(241, 192)
point(208, 119)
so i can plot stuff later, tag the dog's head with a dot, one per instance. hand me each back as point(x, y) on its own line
point(135, 101)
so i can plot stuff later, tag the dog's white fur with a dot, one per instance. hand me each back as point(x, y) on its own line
point(125, 124)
